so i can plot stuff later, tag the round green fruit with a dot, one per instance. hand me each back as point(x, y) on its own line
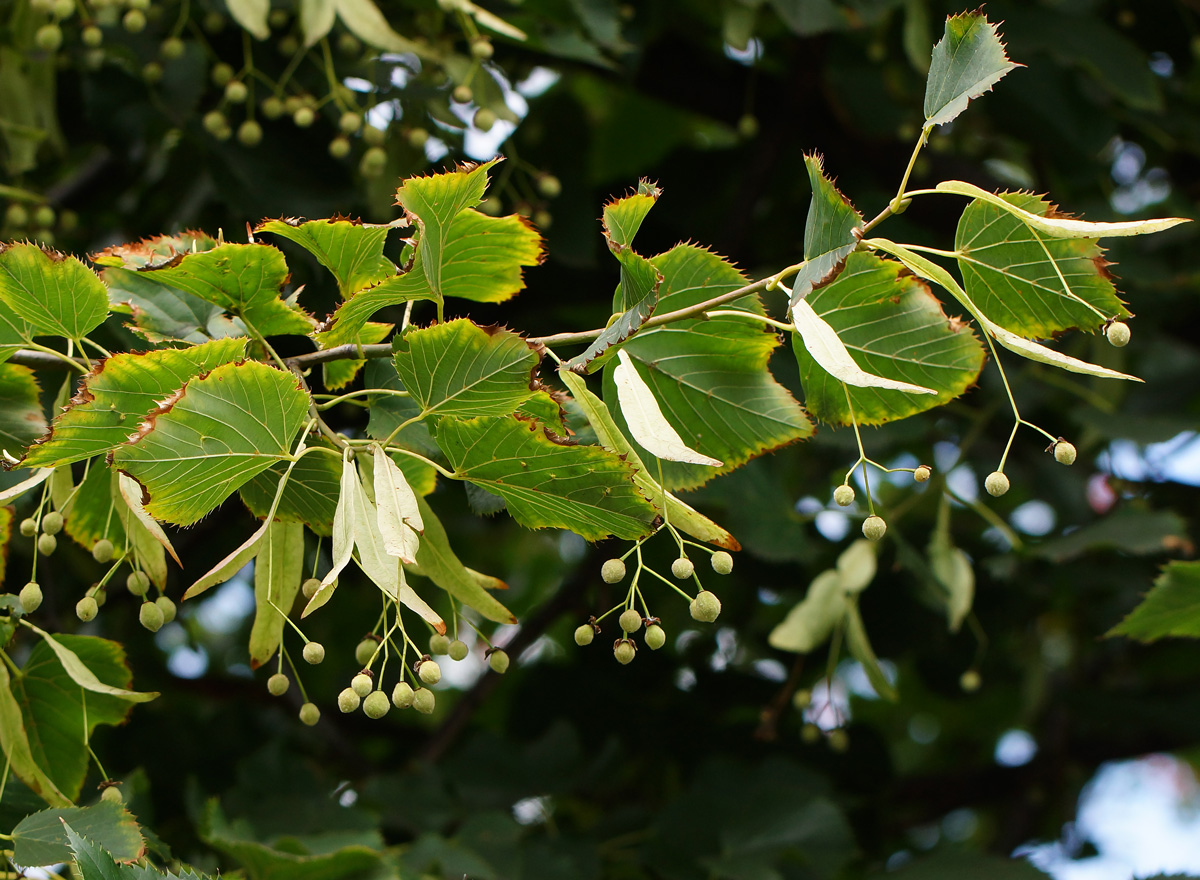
point(31, 597)
point(92, 36)
point(309, 587)
point(624, 650)
point(48, 37)
point(364, 651)
point(549, 186)
point(250, 133)
point(417, 138)
point(236, 92)
point(172, 48)
point(458, 650)
point(221, 74)
point(481, 48)
point(584, 634)
point(923, 473)
point(102, 551)
point(362, 684)
point(612, 571)
point(655, 637)
point(839, 740)
point(86, 608)
point(706, 607)
point(462, 94)
point(310, 714)
point(843, 495)
point(810, 733)
point(802, 698)
point(47, 544)
point(498, 660)
point(373, 137)
point(214, 121)
point(350, 122)
point(376, 705)
point(402, 695)
point(278, 684)
point(630, 620)
point(137, 583)
point(439, 644)
point(423, 700)
point(272, 107)
point(44, 216)
point(348, 700)
point(1118, 334)
point(373, 162)
point(112, 794)
point(996, 484)
point(874, 528)
point(52, 523)
point(1064, 452)
point(314, 653)
point(134, 21)
point(429, 671)
point(29, 527)
point(747, 126)
point(151, 616)
point(484, 119)
point(304, 117)
point(682, 568)
point(722, 562)
point(970, 681)
point(167, 607)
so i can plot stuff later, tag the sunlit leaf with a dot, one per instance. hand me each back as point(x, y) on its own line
point(399, 518)
point(711, 377)
point(967, 62)
point(244, 279)
point(459, 368)
point(830, 233)
point(350, 249)
point(212, 436)
point(316, 19)
point(56, 294)
point(645, 419)
point(893, 326)
point(546, 483)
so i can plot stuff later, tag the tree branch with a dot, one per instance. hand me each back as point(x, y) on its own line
point(41, 360)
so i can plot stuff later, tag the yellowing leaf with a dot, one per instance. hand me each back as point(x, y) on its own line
point(646, 421)
point(131, 492)
point(396, 507)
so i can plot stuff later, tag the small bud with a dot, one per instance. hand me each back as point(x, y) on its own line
point(402, 695)
point(376, 705)
point(52, 523)
point(167, 607)
point(348, 700)
point(29, 527)
point(112, 794)
point(86, 608)
point(310, 714)
point(310, 587)
point(137, 583)
point(923, 473)
point(429, 671)
point(1118, 334)
point(31, 598)
point(458, 650)
point(102, 551)
point(584, 634)
point(612, 571)
point(423, 700)
point(151, 616)
point(1064, 453)
point(624, 650)
point(970, 681)
point(843, 495)
point(278, 684)
point(722, 562)
point(874, 528)
point(439, 644)
point(364, 651)
point(498, 660)
point(314, 652)
point(682, 568)
point(47, 544)
point(996, 484)
point(630, 620)
point(706, 607)
point(655, 637)
point(362, 684)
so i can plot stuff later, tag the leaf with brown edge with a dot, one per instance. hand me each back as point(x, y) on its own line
point(350, 249)
point(56, 294)
point(831, 232)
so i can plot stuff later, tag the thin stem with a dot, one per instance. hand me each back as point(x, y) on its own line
point(894, 207)
point(57, 355)
point(386, 392)
point(862, 455)
point(750, 316)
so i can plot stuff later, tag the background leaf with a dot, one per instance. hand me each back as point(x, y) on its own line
point(1171, 608)
point(21, 417)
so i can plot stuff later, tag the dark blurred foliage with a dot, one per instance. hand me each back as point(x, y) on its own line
point(690, 761)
